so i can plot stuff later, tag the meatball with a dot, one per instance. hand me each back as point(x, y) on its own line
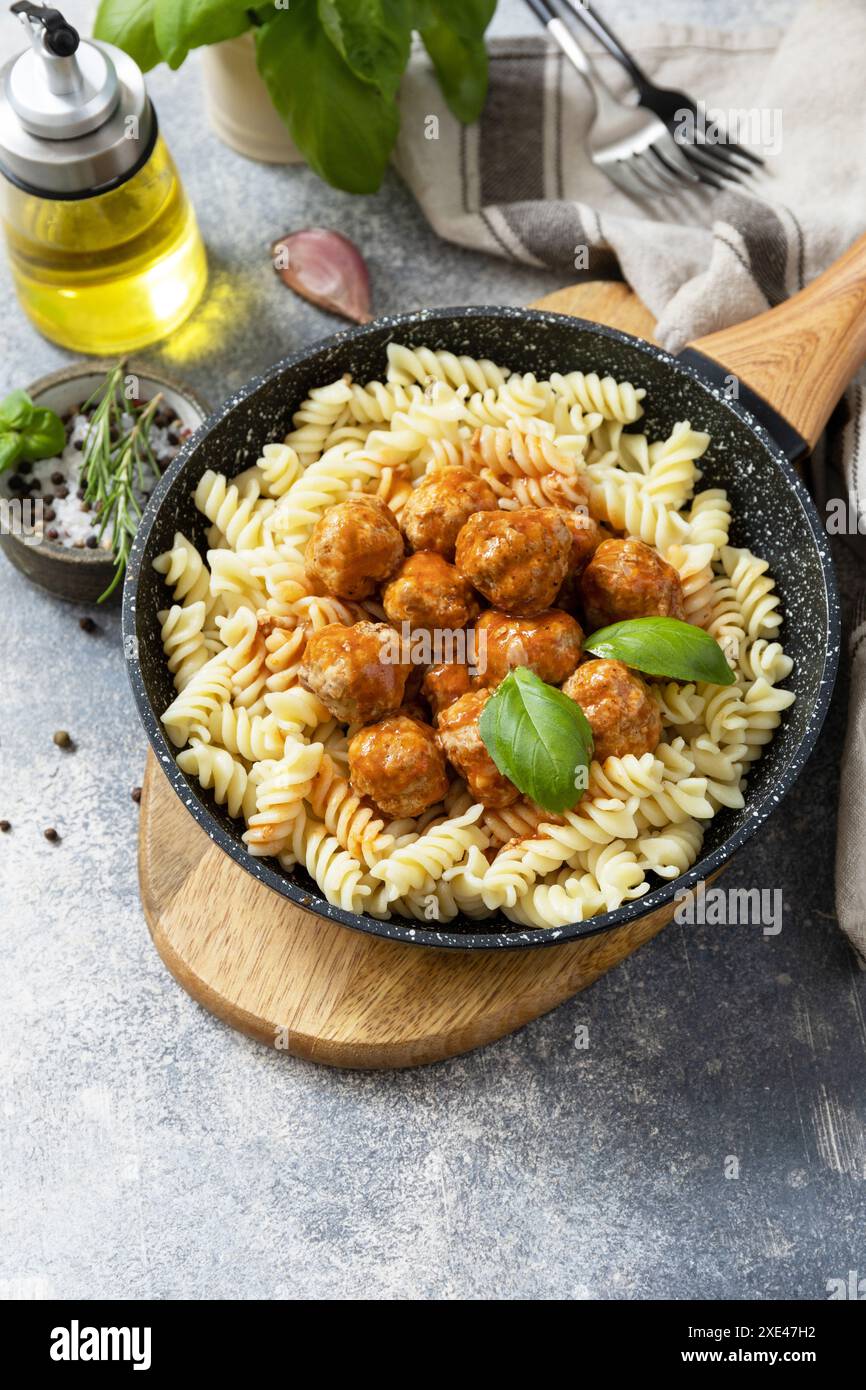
point(516, 559)
point(427, 592)
point(551, 645)
point(445, 683)
point(627, 579)
point(441, 505)
point(398, 764)
point(464, 747)
point(622, 714)
point(356, 671)
point(354, 547)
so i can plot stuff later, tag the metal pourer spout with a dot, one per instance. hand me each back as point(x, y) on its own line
point(74, 114)
point(56, 43)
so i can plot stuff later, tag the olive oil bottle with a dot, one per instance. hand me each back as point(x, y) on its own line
point(103, 243)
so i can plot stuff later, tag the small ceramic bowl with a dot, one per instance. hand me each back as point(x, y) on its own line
point(80, 576)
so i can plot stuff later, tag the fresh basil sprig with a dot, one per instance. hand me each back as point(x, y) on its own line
point(663, 647)
point(28, 432)
point(539, 739)
point(332, 67)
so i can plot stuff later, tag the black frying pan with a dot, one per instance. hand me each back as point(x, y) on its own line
point(752, 455)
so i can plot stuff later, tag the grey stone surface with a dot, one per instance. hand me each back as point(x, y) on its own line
point(147, 1150)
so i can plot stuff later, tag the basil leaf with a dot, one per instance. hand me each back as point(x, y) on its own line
point(180, 25)
point(373, 37)
point(343, 126)
point(467, 18)
point(10, 449)
point(454, 39)
point(129, 24)
point(44, 437)
point(539, 739)
point(663, 647)
point(422, 13)
point(16, 411)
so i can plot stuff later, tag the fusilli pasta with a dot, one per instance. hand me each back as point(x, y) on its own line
point(238, 622)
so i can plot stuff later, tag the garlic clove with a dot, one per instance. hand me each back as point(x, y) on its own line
point(326, 268)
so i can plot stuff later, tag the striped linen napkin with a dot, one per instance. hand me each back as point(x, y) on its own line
point(520, 184)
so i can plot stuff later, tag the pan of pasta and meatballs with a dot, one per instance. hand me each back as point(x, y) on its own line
point(493, 628)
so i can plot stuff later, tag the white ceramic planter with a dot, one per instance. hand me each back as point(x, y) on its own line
point(238, 105)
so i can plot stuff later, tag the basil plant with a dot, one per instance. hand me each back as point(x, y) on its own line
point(332, 67)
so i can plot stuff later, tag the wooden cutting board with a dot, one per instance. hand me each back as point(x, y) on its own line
point(321, 991)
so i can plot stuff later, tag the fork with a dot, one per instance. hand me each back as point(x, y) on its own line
point(725, 158)
point(632, 146)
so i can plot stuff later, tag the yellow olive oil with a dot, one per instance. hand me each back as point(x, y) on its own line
point(111, 272)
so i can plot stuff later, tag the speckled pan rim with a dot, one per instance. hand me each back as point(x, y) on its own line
point(515, 938)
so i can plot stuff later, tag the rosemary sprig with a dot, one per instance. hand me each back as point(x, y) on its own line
point(115, 456)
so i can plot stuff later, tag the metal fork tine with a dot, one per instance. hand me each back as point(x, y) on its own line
point(617, 176)
point(670, 178)
point(667, 149)
point(623, 174)
point(679, 167)
point(711, 182)
point(709, 166)
point(723, 154)
point(648, 173)
point(736, 148)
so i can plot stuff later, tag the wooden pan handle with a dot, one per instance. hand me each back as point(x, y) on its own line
point(801, 355)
